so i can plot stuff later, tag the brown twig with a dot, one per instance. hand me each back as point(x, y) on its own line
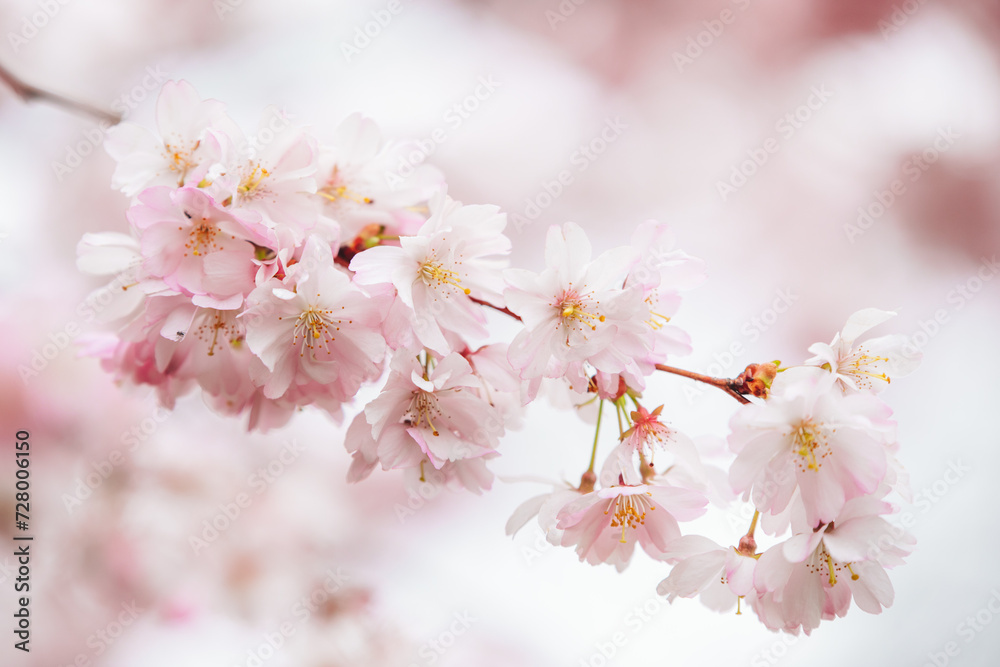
point(724, 384)
point(29, 93)
point(505, 311)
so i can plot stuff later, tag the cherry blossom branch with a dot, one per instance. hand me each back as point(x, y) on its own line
point(725, 384)
point(29, 93)
point(505, 311)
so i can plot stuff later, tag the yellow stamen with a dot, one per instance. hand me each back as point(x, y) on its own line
point(629, 512)
point(253, 181)
point(432, 273)
point(333, 193)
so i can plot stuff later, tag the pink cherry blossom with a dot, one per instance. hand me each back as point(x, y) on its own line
point(316, 327)
point(274, 175)
point(576, 312)
point(364, 180)
point(545, 508)
point(718, 575)
point(815, 574)
point(455, 257)
point(871, 365)
point(112, 253)
point(663, 272)
point(809, 436)
point(197, 247)
point(424, 419)
point(190, 131)
point(606, 524)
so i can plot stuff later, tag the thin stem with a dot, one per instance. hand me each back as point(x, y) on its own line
point(753, 523)
point(724, 384)
point(29, 93)
point(505, 311)
point(597, 433)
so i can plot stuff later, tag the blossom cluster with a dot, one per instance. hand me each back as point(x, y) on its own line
point(279, 271)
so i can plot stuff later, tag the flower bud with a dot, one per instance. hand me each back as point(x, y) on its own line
point(756, 379)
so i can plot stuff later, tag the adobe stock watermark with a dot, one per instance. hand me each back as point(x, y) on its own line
point(923, 502)
point(228, 513)
point(93, 137)
point(775, 652)
point(634, 620)
point(100, 471)
point(432, 481)
point(724, 363)
point(433, 649)
point(366, 33)
point(536, 546)
point(712, 29)
point(786, 127)
point(34, 23)
point(298, 614)
point(967, 630)
point(58, 341)
point(958, 297)
point(562, 12)
point(225, 7)
point(899, 16)
point(912, 170)
point(101, 640)
point(453, 118)
point(551, 189)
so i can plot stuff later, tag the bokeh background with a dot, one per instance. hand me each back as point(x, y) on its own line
point(821, 156)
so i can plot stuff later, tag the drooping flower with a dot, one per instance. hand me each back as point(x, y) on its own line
point(718, 575)
point(815, 574)
point(424, 417)
point(546, 508)
point(606, 524)
point(871, 365)
point(809, 436)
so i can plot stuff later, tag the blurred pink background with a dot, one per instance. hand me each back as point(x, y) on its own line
point(825, 156)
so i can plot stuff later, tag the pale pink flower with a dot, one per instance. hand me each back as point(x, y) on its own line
point(871, 365)
point(645, 436)
point(366, 180)
point(606, 524)
point(456, 256)
point(469, 474)
point(423, 419)
point(316, 327)
point(118, 255)
point(809, 436)
point(546, 508)
point(815, 574)
point(718, 575)
point(578, 312)
point(196, 247)
point(275, 178)
point(181, 154)
point(662, 272)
